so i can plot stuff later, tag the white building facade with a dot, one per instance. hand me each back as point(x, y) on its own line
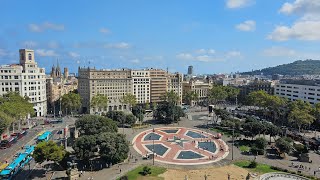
point(307, 93)
point(27, 79)
point(141, 85)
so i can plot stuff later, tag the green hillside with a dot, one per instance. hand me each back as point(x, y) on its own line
point(296, 68)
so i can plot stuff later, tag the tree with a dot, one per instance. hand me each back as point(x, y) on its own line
point(93, 124)
point(99, 102)
point(217, 93)
point(118, 116)
point(272, 130)
point(86, 147)
point(5, 121)
point(130, 119)
point(171, 97)
point(71, 102)
point(253, 128)
point(129, 99)
point(16, 107)
point(138, 111)
point(190, 96)
point(168, 112)
point(146, 170)
point(48, 151)
point(283, 145)
point(261, 143)
point(300, 117)
point(113, 147)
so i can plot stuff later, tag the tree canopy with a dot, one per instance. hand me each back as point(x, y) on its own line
point(92, 124)
point(129, 99)
point(99, 102)
point(168, 112)
point(71, 102)
point(171, 97)
point(48, 151)
point(190, 96)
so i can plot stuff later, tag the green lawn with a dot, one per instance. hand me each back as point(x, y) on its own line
point(155, 171)
point(261, 168)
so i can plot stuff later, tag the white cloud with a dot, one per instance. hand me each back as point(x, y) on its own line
point(205, 51)
point(301, 30)
point(248, 25)
point(301, 7)
point(28, 44)
point(233, 4)
point(135, 61)
point(45, 26)
point(46, 53)
point(185, 56)
point(121, 45)
point(53, 45)
point(277, 51)
point(3, 52)
point(305, 27)
point(73, 54)
point(104, 31)
point(233, 54)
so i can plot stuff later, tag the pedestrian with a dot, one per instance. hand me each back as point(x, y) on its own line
point(120, 171)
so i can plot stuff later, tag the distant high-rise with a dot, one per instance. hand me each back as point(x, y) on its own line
point(190, 70)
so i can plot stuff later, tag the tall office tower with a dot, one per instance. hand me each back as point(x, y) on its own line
point(190, 70)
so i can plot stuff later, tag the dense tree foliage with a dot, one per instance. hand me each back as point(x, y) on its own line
point(296, 68)
point(221, 93)
point(113, 147)
point(171, 97)
point(48, 151)
point(283, 145)
point(71, 102)
point(92, 124)
point(121, 118)
point(99, 138)
point(138, 111)
point(13, 108)
point(168, 112)
point(99, 103)
point(190, 96)
point(86, 147)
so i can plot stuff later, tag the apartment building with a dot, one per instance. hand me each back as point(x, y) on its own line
point(112, 83)
point(27, 79)
point(305, 90)
point(174, 83)
point(141, 85)
point(158, 84)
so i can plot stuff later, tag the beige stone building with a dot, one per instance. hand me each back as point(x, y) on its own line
point(57, 89)
point(199, 86)
point(147, 85)
point(112, 83)
point(174, 83)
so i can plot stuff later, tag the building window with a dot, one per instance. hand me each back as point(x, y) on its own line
point(29, 56)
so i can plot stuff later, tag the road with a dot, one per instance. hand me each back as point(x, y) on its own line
point(29, 139)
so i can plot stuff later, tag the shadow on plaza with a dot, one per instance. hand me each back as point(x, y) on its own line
point(27, 174)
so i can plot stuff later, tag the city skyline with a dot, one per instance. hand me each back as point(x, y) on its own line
point(212, 36)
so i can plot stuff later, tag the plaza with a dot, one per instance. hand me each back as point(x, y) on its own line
point(180, 146)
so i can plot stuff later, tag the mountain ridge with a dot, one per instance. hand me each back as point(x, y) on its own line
point(299, 67)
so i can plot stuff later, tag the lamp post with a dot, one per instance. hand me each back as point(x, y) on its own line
point(153, 148)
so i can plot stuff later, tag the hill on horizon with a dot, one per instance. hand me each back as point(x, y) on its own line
point(300, 67)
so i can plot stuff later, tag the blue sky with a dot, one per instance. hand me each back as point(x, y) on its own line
point(215, 36)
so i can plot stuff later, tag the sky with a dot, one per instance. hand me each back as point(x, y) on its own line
point(214, 36)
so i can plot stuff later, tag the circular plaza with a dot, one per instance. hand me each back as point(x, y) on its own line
point(180, 146)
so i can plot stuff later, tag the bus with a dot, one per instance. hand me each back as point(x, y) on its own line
point(44, 137)
point(17, 164)
point(54, 121)
point(3, 166)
